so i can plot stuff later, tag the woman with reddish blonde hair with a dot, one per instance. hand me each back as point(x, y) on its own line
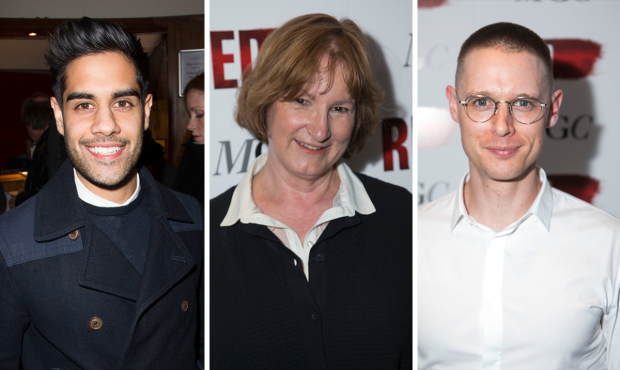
point(311, 262)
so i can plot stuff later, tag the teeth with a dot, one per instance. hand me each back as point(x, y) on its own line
point(309, 146)
point(103, 150)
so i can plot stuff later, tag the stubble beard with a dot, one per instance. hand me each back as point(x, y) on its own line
point(106, 180)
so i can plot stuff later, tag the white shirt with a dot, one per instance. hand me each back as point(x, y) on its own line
point(351, 198)
point(95, 200)
point(540, 294)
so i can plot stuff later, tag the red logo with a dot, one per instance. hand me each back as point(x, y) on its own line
point(429, 4)
point(580, 186)
point(574, 58)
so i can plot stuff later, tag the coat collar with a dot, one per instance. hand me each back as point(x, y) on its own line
point(59, 210)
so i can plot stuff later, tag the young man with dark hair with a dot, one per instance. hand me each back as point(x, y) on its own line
point(513, 273)
point(103, 268)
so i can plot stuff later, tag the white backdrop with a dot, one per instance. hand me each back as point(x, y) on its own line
point(581, 152)
point(234, 27)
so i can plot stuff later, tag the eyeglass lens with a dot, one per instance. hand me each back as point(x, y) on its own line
point(524, 110)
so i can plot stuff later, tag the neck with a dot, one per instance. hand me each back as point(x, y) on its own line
point(294, 189)
point(117, 194)
point(497, 204)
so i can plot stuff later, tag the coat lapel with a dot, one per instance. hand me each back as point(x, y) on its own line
point(58, 212)
point(167, 260)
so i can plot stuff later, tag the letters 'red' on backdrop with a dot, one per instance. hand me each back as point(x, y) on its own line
point(238, 29)
point(581, 153)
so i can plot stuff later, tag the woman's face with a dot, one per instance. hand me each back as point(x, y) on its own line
point(309, 134)
point(196, 108)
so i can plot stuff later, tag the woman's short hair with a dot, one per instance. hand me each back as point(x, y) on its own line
point(288, 62)
point(196, 83)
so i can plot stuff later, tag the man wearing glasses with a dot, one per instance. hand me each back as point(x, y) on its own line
point(513, 273)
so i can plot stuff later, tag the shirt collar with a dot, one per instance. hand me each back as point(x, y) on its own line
point(541, 208)
point(351, 196)
point(95, 200)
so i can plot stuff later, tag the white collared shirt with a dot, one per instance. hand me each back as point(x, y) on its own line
point(540, 294)
point(351, 198)
point(95, 200)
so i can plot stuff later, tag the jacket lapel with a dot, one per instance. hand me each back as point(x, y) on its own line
point(58, 212)
point(105, 268)
point(167, 260)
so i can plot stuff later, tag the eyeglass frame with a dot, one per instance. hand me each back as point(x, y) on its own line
point(464, 104)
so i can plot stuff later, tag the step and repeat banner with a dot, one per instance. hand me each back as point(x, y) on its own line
point(581, 153)
point(237, 30)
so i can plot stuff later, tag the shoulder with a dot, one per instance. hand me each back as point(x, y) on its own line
point(220, 204)
point(191, 205)
point(439, 205)
point(17, 233)
point(437, 215)
point(173, 198)
point(570, 208)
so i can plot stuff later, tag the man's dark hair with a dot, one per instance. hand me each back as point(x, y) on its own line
point(37, 113)
point(512, 38)
point(75, 39)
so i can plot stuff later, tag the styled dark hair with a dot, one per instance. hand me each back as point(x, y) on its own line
point(290, 59)
point(512, 38)
point(75, 39)
point(37, 113)
point(196, 83)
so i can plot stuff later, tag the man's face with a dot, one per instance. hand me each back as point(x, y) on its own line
point(102, 118)
point(503, 149)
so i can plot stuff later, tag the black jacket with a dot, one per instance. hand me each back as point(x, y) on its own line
point(354, 313)
point(78, 303)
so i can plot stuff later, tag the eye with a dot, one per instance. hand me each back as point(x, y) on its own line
point(122, 104)
point(83, 106)
point(522, 103)
point(301, 101)
point(481, 102)
point(340, 109)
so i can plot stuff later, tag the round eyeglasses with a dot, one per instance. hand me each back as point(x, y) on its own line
point(481, 108)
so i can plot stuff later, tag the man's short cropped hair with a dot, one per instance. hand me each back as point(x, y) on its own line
point(37, 113)
point(75, 39)
point(196, 83)
point(512, 38)
point(288, 63)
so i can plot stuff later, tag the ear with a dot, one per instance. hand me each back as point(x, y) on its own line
point(453, 102)
point(554, 108)
point(148, 103)
point(58, 115)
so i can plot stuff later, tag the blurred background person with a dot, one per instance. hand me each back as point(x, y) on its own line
point(311, 262)
point(190, 176)
point(38, 116)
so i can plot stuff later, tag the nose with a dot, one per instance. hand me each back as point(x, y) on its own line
point(319, 127)
point(503, 124)
point(192, 124)
point(105, 123)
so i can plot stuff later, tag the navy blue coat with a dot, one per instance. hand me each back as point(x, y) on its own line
point(80, 304)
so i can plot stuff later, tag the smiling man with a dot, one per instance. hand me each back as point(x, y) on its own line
point(103, 268)
point(513, 273)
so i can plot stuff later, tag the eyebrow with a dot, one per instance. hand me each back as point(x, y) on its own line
point(126, 92)
point(118, 94)
point(486, 93)
point(80, 95)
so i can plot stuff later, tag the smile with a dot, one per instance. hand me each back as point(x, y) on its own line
point(309, 146)
point(104, 150)
point(503, 152)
